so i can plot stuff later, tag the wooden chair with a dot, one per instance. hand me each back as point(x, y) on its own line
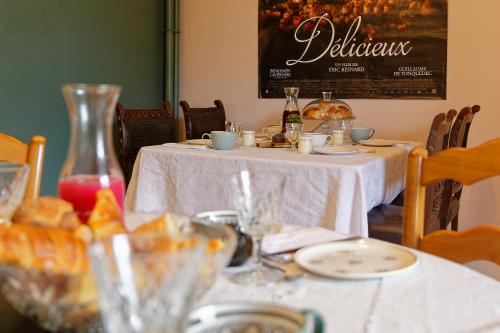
point(385, 222)
point(32, 154)
point(203, 120)
point(142, 127)
point(467, 166)
point(458, 138)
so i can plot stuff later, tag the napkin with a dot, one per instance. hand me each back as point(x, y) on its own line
point(294, 237)
point(184, 145)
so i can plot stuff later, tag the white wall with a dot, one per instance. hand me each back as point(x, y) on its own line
point(219, 61)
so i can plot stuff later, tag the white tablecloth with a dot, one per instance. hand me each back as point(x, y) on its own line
point(436, 296)
point(334, 192)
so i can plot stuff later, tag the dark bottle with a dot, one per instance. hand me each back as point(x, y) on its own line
point(291, 106)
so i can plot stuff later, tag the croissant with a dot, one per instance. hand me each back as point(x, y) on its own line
point(46, 249)
point(163, 224)
point(106, 218)
point(47, 212)
point(167, 225)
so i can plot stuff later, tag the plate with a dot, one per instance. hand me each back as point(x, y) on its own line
point(336, 151)
point(201, 142)
point(378, 142)
point(363, 259)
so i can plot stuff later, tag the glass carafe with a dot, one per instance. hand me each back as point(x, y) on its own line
point(291, 106)
point(90, 163)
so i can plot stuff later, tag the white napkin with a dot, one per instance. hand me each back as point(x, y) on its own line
point(294, 237)
point(184, 145)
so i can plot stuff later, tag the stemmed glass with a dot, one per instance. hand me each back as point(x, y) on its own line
point(293, 133)
point(234, 126)
point(257, 198)
point(145, 281)
point(13, 179)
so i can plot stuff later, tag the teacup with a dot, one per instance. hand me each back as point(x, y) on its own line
point(318, 139)
point(361, 133)
point(221, 140)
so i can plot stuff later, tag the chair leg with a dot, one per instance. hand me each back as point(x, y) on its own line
point(454, 223)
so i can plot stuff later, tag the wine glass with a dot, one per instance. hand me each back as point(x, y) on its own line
point(257, 199)
point(234, 126)
point(13, 179)
point(293, 133)
point(146, 281)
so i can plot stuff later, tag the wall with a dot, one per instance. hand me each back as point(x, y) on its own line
point(219, 60)
point(44, 44)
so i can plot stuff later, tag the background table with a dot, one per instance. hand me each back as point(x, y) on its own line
point(335, 192)
point(435, 296)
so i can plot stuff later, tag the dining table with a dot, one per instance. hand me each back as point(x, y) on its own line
point(431, 295)
point(435, 296)
point(330, 191)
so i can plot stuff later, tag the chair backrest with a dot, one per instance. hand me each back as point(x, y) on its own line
point(460, 130)
point(142, 127)
point(203, 120)
point(467, 166)
point(458, 138)
point(437, 197)
point(32, 154)
point(440, 131)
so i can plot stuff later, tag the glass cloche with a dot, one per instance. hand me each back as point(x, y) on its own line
point(334, 114)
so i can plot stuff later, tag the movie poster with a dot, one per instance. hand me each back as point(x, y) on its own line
point(354, 48)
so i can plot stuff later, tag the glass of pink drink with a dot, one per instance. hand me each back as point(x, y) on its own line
point(91, 163)
point(81, 191)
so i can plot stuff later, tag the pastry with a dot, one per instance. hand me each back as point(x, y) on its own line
point(52, 250)
point(312, 113)
point(162, 224)
point(343, 113)
point(47, 212)
point(165, 224)
point(106, 218)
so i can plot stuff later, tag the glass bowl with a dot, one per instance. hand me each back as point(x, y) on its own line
point(56, 302)
point(215, 261)
point(69, 303)
point(230, 217)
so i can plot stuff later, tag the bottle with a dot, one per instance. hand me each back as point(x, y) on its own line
point(90, 163)
point(291, 106)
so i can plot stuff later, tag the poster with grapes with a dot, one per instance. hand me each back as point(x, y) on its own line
point(376, 49)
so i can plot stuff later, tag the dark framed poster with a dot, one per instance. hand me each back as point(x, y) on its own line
point(354, 48)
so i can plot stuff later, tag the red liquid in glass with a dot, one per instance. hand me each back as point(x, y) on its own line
point(81, 192)
point(286, 113)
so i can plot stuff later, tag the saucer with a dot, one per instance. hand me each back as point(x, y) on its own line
point(332, 150)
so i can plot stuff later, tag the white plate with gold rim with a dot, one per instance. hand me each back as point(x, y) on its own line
point(200, 142)
point(356, 260)
point(380, 142)
point(336, 150)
